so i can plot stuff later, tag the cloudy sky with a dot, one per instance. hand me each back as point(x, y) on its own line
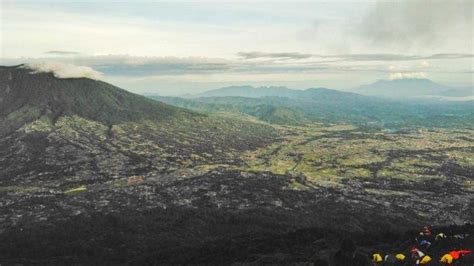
point(186, 47)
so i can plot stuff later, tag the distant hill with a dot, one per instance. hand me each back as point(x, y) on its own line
point(268, 109)
point(403, 88)
point(399, 88)
point(26, 96)
point(259, 92)
point(325, 105)
point(249, 91)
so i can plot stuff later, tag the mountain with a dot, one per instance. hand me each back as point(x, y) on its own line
point(248, 91)
point(260, 92)
point(398, 88)
point(26, 96)
point(325, 105)
point(403, 88)
point(96, 130)
point(268, 109)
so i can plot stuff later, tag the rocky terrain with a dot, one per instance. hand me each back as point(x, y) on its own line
point(114, 184)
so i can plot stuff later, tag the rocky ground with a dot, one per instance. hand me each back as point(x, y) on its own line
point(77, 191)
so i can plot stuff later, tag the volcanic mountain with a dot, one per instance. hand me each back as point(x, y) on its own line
point(58, 124)
point(26, 95)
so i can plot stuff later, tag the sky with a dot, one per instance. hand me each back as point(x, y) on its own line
point(182, 47)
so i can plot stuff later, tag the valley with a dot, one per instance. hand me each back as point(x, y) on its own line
point(302, 178)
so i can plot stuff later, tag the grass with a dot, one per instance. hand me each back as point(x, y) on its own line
point(464, 158)
point(295, 185)
point(358, 173)
point(328, 154)
point(43, 124)
point(25, 113)
point(22, 190)
point(385, 192)
point(76, 190)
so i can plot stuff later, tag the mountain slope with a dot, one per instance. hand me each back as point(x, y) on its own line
point(268, 109)
point(26, 96)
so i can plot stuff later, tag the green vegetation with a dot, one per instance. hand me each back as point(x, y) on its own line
point(21, 190)
point(323, 105)
point(43, 124)
point(26, 112)
point(32, 96)
point(328, 155)
point(76, 190)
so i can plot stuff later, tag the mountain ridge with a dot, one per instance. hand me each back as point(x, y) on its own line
point(325, 105)
point(397, 89)
point(257, 92)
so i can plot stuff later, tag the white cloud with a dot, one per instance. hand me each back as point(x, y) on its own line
point(418, 26)
point(407, 75)
point(425, 63)
point(61, 70)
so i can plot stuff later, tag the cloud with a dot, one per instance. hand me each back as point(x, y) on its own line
point(61, 70)
point(354, 57)
point(450, 56)
point(418, 24)
point(126, 65)
point(407, 75)
point(143, 66)
point(136, 66)
point(59, 52)
point(256, 55)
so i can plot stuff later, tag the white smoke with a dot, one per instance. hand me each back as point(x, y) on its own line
point(62, 70)
point(407, 75)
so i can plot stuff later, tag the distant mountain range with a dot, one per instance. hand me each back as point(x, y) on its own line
point(249, 91)
point(405, 88)
point(285, 106)
point(398, 88)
